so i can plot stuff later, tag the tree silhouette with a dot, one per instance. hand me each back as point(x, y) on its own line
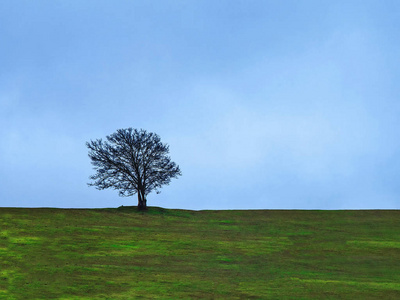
point(133, 162)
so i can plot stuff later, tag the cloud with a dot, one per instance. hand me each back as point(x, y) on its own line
point(306, 128)
point(285, 107)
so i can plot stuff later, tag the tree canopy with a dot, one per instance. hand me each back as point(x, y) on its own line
point(133, 162)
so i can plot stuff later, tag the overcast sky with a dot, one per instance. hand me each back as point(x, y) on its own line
point(265, 104)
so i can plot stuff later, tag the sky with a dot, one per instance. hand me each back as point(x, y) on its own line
point(264, 104)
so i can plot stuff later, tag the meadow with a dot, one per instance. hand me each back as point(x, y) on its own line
point(120, 253)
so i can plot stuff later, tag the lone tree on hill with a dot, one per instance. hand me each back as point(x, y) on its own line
point(133, 162)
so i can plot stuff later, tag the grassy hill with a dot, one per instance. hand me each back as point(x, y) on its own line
point(173, 254)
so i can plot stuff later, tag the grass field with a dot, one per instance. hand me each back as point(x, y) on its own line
point(176, 254)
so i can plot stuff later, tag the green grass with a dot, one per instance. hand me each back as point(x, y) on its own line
point(177, 254)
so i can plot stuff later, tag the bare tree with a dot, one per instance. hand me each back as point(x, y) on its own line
point(133, 162)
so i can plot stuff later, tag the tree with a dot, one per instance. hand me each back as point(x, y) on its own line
point(133, 162)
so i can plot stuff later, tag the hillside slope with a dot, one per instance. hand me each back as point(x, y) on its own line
point(123, 254)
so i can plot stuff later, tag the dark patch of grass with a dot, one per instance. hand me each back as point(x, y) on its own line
point(124, 253)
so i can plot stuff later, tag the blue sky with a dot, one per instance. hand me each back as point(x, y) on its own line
point(265, 104)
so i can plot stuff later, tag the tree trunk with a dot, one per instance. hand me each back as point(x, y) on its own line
point(142, 203)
